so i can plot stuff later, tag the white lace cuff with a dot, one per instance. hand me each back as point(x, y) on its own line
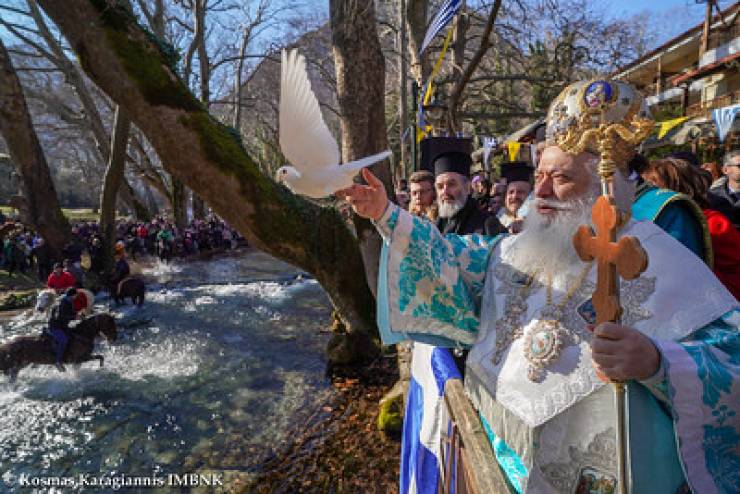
point(657, 382)
point(387, 222)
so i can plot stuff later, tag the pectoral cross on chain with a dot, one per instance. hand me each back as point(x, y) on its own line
point(626, 257)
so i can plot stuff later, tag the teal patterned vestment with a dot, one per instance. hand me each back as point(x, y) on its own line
point(430, 290)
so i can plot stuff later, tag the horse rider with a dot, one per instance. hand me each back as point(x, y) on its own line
point(121, 269)
point(60, 280)
point(63, 312)
point(75, 270)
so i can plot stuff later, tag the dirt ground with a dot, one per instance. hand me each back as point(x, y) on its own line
point(341, 450)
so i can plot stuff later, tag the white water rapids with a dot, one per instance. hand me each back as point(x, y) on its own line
point(210, 374)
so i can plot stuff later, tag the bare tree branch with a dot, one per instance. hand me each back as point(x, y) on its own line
point(456, 94)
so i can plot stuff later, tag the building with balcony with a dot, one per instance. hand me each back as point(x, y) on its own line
point(690, 76)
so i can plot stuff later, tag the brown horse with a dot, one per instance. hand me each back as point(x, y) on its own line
point(26, 350)
point(128, 287)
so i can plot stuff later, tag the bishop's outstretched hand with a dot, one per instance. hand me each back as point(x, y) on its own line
point(368, 201)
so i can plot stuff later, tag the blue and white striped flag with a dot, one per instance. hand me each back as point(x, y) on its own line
point(426, 415)
point(488, 144)
point(724, 118)
point(443, 17)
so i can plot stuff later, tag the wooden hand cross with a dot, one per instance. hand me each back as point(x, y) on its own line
point(626, 257)
point(629, 259)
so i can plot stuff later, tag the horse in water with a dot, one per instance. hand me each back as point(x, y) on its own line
point(26, 350)
point(46, 299)
point(129, 287)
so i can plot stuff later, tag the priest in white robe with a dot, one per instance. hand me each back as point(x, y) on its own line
point(522, 303)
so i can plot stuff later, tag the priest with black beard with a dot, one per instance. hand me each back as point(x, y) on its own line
point(458, 211)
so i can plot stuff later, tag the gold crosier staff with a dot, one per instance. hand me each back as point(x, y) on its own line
point(625, 258)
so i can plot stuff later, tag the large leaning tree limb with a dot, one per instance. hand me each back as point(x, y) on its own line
point(132, 67)
point(455, 99)
point(39, 206)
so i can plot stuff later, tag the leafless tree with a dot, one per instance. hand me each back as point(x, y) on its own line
point(38, 206)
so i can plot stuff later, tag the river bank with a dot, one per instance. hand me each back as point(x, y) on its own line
point(17, 291)
point(247, 398)
point(340, 449)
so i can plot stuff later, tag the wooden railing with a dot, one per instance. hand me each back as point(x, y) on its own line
point(702, 109)
point(467, 457)
point(722, 36)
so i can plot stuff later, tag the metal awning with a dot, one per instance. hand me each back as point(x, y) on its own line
point(524, 131)
point(689, 131)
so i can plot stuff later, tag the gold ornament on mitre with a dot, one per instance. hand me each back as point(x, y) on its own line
point(604, 117)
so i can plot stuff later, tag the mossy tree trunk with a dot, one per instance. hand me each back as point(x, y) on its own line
point(139, 75)
point(360, 69)
point(112, 183)
point(39, 206)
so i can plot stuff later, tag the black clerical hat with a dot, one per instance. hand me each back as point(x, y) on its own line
point(453, 161)
point(516, 171)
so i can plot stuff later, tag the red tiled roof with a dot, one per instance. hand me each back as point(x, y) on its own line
point(705, 69)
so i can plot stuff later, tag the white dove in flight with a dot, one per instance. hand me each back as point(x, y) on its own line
point(305, 139)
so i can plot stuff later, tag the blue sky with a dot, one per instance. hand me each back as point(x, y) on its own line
point(667, 18)
point(671, 17)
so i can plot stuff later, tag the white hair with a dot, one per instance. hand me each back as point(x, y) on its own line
point(729, 156)
point(545, 245)
point(447, 210)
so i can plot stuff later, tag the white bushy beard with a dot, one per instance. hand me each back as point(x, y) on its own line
point(448, 210)
point(545, 245)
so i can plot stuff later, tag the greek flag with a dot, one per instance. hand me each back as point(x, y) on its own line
point(443, 17)
point(426, 414)
point(488, 144)
point(724, 118)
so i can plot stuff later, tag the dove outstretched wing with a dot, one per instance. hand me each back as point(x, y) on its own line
point(304, 137)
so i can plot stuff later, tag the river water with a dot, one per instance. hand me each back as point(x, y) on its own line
point(224, 360)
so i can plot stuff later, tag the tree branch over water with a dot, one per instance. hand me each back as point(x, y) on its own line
point(136, 71)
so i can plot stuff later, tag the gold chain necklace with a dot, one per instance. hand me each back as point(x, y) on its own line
point(544, 342)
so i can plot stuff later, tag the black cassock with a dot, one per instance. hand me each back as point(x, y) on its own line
point(471, 220)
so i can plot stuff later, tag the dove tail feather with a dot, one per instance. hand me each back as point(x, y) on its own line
point(366, 161)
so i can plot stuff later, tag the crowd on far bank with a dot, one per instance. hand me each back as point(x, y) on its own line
point(24, 250)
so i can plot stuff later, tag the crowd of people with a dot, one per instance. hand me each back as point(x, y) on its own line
point(162, 238)
point(25, 251)
point(715, 190)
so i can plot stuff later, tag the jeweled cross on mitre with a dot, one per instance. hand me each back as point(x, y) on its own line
point(627, 257)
